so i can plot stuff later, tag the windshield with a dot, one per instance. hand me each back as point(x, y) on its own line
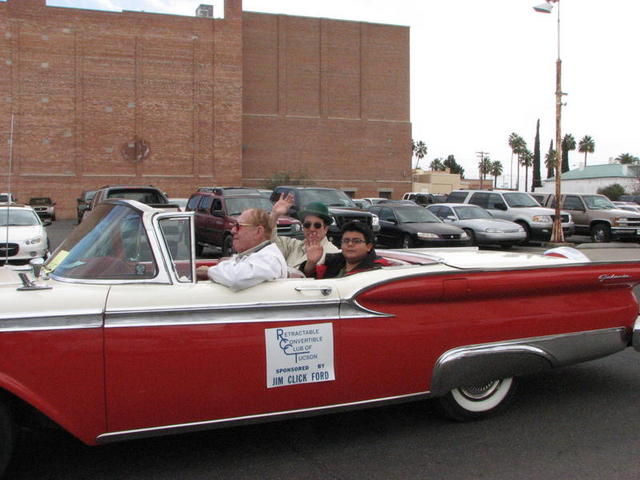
point(235, 206)
point(331, 198)
point(4, 198)
point(110, 244)
point(142, 195)
point(415, 215)
point(597, 202)
point(468, 213)
point(40, 201)
point(18, 218)
point(520, 200)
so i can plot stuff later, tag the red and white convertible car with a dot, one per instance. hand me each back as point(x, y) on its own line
point(115, 339)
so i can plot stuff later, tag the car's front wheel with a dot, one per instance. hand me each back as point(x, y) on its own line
point(476, 401)
point(6, 437)
point(471, 235)
point(406, 241)
point(601, 233)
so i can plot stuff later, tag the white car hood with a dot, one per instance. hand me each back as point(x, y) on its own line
point(20, 234)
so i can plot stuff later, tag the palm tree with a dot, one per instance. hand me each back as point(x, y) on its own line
point(436, 165)
point(496, 171)
point(627, 159)
point(419, 150)
point(484, 167)
point(568, 144)
point(586, 145)
point(515, 143)
point(550, 160)
point(526, 160)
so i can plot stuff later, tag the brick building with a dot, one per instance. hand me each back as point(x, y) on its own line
point(140, 98)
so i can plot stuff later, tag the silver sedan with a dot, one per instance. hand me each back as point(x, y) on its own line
point(480, 225)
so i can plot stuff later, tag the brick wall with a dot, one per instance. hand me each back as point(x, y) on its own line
point(106, 97)
point(329, 99)
point(84, 86)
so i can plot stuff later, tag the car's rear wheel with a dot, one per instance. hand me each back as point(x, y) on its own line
point(6, 437)
point(601, 233)
point(477, 401)
point(227, 246)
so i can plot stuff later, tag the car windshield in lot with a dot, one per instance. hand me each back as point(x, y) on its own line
point(597, 202)
point(18, 218)
point(142, 195)
point(110, 244)
point(332, 198)
point(236, 206)
point(520, 200)
point(40, 201)
point(415, 215)
point(471, 212)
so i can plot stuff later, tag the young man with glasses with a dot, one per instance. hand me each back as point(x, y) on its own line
point(315, 225)
point(358, 254)
point(258, 260)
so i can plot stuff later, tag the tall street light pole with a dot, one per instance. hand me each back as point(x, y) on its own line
point(556, 235)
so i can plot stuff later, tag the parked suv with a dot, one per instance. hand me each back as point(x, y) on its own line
point(341, 207)
point(217, 210)
point(519, 207)
point(44, 207)
point(84, 202)
point(147, 194)
point(7, 198)
point(597, 216)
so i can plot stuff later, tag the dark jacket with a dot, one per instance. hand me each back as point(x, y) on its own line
point(334, 263)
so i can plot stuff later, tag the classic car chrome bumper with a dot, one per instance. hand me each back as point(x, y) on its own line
point(635, 341)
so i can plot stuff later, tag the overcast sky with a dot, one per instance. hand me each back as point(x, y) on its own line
point(481, 69)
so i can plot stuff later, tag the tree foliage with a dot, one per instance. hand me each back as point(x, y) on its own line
point(568, 144)
point(436, 165)
point(419, 151)
point(613, 191)
point(453, 166)
point(550, 161)
point(496, 171)
point(627, 159)
point(537, 179)
point(586, 145)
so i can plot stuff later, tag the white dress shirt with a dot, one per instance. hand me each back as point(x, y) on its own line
point(258, 264)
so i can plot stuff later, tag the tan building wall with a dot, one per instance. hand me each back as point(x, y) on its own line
point(436, 182)
point(140, 98)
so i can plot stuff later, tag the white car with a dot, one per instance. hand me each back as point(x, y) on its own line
point(22, 234)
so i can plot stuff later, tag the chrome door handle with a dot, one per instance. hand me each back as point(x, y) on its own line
point(324, 290)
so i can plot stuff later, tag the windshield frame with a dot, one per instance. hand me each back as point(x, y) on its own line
point(158, 255)
point(401, 215)
point(470, 207)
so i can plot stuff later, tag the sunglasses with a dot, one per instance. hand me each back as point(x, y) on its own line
point(316, 225)
point(354, 241)
point(239, 225)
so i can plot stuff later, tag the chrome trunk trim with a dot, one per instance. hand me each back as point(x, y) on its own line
point(471, 364)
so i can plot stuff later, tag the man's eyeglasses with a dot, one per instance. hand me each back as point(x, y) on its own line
point(239, 225)
point(316, 225)
point(354, 241)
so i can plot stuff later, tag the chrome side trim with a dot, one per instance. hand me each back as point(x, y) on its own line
point(258, 418)
point(636, 335)
point(61, 322)
point(225, 314)
point(471, 364)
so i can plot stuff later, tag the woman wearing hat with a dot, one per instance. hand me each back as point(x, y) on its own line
point(315, 225)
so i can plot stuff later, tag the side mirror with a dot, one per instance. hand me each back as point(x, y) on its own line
point(450, 218)
point(36, 264)
point(46, 222)
point(217, 213)
point(500, 206)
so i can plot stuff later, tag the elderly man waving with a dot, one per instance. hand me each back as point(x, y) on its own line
point(259, 260)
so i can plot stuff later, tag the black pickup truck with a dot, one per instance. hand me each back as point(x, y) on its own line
point(147, 194)
point(341, 207)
